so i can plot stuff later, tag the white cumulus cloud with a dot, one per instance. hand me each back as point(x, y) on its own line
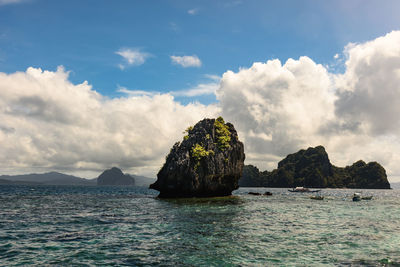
point(186, 61)
point(132, 57)
point(369, 91)
point(277, 108)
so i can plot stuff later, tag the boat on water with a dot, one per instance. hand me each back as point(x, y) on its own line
point(366, 198)
point(356, 197)
point(259, 194)
point(301, 189)
point(317, 197)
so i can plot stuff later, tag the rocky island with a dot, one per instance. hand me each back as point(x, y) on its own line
point(115, 176)
point(208, 162)
point(312, 168)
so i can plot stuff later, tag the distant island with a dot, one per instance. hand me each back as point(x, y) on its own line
point(49, 178)
point(108, 177)
point(312, 168)
point(115, 176)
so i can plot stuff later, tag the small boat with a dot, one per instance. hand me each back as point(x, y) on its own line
point(301, 189)
point(317, 197)
point(259, 194)
point(356, 197)
point(254, 193)
point(366, 198)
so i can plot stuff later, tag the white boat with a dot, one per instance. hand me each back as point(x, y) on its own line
point(303, 190)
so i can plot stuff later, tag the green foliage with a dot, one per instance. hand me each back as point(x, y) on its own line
point(223, 134)
point(188, 129)
point(371, 175)
point(199, 152)
point(187, 132)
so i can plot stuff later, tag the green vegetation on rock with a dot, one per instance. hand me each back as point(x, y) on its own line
point(187, 132)
point(223, 134)
point(199, 152)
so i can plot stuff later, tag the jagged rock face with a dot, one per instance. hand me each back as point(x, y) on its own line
point(208, 162)
point(313, 157)
point(312, 168)
point(371, 175)
point(250, 177)
point(309, 167)
point(114, 176)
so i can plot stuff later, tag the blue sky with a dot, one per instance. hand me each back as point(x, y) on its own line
point(84, 37)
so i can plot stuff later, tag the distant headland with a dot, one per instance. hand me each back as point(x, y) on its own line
point(113, 176)
point(312, 168)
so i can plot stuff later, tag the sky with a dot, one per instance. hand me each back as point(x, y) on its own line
point(86, 85)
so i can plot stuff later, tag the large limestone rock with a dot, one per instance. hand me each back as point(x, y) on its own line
point(310, 167)
point(208, 162)
point(363, 175)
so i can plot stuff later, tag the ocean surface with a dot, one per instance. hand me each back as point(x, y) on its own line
point(129, 226)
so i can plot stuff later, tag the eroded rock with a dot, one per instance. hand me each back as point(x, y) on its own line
point(208, 162)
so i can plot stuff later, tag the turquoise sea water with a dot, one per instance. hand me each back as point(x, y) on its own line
point(94, 226)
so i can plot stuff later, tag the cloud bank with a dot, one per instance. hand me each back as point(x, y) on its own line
point(277, 108)
point(47, 122)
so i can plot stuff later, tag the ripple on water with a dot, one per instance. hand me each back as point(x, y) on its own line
point(130, 226)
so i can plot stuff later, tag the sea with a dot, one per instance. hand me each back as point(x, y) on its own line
point(130, 226)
